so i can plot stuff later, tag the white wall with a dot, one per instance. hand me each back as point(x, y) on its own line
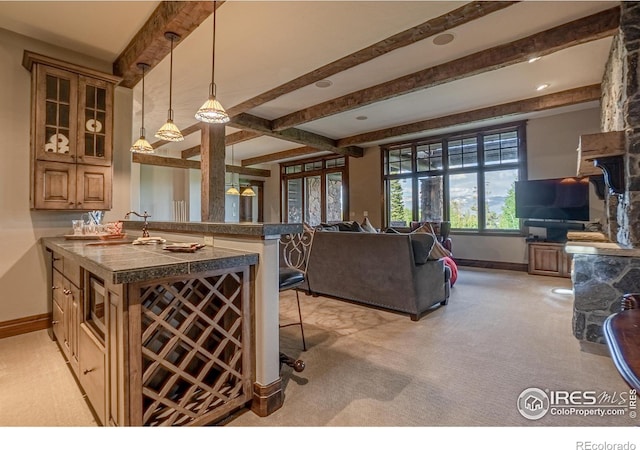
point(23, 280)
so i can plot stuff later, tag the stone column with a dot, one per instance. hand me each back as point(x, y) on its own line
point(621, 111)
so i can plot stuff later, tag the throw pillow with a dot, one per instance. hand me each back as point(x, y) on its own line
point(355, 226)
point(422, 244)
point(367, 226)
point(449, 262)
point(345, 226)
point(438, 251)
point(391, 231)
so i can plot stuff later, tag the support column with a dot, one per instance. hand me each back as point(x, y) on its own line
point(212, 165)
point(267, 388)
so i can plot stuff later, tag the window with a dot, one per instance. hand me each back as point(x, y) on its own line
point(467, 179)
point(315, 190)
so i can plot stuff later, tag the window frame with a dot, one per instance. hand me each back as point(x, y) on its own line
point(480, 169)
point(322, 172)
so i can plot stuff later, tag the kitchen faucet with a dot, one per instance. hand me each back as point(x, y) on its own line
point(145, 232)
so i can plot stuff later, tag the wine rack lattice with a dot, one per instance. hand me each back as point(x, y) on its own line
point(193, 349)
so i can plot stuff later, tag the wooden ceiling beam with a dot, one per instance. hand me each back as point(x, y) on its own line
point(249, 171)
point(164, 161)
point(541, 103)
point(179, 163)
point(241, 136)
point(233, 138)
point(466, 13)
point(149, 44)
point(587, 29)
point(190, 152)
point(253, 123)
point(285, 154)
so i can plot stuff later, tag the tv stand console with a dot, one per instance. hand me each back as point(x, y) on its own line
point(556, 229)
point(548, 258)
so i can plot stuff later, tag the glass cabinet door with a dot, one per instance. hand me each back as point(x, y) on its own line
point(54, 128)
point(94, 121)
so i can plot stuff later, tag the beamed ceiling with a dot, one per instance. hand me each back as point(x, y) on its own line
point(389, 79)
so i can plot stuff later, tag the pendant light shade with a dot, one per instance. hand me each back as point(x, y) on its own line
point(248, 192)
point(232, 190)
point(212, 111)
point(142, 145)
point(169, 131)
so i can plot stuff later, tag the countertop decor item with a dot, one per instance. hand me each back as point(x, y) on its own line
point(183, 247)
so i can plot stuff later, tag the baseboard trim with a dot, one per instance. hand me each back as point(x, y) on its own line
point(519, 267)
point(267, 399)
point(25, 325)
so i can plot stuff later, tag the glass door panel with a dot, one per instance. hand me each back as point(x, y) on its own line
point(294, 200)
point(313, 200)
point(334, 197)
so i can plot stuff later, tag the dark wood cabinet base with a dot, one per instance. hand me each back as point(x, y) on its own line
point(267, 399)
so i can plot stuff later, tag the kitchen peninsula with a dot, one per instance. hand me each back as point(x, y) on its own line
point(160, 338)
point(263, 239)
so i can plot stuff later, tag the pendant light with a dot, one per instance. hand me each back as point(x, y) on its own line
point(168, 131)
point(248, 192)
point(212, 111)
point(142, 145)
point(232, 190)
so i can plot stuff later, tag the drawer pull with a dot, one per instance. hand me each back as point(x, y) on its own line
point(86, 371)
point(55, 322)
point(55, 287)
point(56, 259)
point(66, 291)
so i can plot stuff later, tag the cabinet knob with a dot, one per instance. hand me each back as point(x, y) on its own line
point(55, 287)
point(71, 203)
point(54, 322)
point(55, 259)
point(86, 371)
point(66, 291)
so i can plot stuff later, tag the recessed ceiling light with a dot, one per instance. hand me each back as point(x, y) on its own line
point(361, 118)
point(443, 39)
point(542, 87)
point(534, 59)
point(323, 83)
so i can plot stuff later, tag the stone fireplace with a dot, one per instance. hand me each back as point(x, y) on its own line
point(603, 272)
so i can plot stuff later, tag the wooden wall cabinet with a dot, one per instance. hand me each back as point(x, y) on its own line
point(71, 135)
point(549, 258)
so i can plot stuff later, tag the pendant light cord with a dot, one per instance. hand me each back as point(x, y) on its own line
point(142, 130)
point(212, 86)
point(171, 79)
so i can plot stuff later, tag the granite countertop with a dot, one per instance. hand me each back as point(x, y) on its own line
point(600, 248)
point(128, 263)
point(240, 229)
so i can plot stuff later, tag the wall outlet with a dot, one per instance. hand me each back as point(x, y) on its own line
point(208, 240)
point(352, 214)
point(365, 213)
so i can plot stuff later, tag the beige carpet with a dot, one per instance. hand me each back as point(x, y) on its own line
point(461, 365)
point(36, 386)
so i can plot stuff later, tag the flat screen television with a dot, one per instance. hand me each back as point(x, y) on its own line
point(554, 199)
